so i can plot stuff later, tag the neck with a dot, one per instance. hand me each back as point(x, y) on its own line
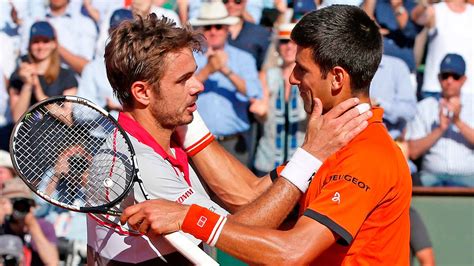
point(235, 29)
point(159, 133)
point(57, 11)
point(42, 66)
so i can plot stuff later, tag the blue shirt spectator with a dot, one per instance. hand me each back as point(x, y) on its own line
point(399, 41)
point(222, 107)
point(392, 90)
point(254, 39)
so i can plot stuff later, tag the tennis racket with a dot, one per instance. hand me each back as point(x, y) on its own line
point(75, 155)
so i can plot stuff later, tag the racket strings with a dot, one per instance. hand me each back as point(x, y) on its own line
point(74, 155)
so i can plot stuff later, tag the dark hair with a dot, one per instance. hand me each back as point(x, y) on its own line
point(342, 35)
point(138, 48)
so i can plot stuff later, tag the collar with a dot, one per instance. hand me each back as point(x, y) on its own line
point(133, 128)
point(377, 115)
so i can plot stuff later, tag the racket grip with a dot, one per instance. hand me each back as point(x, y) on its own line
point(189, 249)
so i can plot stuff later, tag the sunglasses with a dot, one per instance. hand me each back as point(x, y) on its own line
point(445, 76)
point(284, 41)
point(217, 27)
point(237, 2)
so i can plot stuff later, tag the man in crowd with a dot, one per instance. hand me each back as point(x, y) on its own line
point(231, 79)
point(442, 132)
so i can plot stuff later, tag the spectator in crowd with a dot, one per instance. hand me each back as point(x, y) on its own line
point(446, 35)
point(231, 79)
point(6, 123)
point(420, 242)
point(11, 250)
point(39, 238)
point(397, 27)
point(281, 111)
point(40, 74)
point(392, 90)
point(94, 83)
point(442, 132)
point(246, 35)
point(145, 7)
point(76, 34)
point(6, 167)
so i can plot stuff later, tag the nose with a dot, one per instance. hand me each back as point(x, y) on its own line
point(292, 79)
point(195, 85)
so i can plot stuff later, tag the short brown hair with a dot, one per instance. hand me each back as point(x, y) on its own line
point(138, 48)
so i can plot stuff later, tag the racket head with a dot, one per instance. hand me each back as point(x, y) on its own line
point(74, 154)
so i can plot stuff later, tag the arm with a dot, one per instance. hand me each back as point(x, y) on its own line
point(93, 13)
point(47, 251)
point(183, 10)
point(419, 147)
point(369, 7)
point(76, 62)
point(325, 135)
point(236, 80)
point(253, 245)
point(424, 14)
point(466, 131)
point(426, 257)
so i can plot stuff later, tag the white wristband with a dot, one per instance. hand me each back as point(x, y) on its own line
point(195, 136)
point(300, 169)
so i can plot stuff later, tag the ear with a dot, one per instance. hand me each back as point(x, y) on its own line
point(338, 77)
point(141, 92)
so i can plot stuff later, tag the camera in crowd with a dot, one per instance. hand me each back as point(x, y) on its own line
point(21, 207)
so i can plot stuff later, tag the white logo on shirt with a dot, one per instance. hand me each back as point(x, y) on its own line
point(337, 198)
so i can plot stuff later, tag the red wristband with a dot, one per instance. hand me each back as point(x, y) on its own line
point(203, 224)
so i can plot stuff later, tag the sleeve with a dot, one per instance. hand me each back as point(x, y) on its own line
point(419, 238)
point(350, 192)
point(403, 105)
point(87, 38)
point(247, 70)
point(161, 181)
point(69, 79)
point(418, 127)
point(87, 87)
point(15, 81)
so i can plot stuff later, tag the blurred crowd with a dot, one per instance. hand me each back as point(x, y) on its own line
point(424, 84)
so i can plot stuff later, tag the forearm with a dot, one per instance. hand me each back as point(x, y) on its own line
point(271, 247)
point(76, 62)
point(420, 146)
point(258, 246)
point(466, 131)
point(369, 7)
point(46, 250)
point(271, 208)
point(235, 184)
point(19, 103)
point(236, 80)
point(203, 75)
point(93, 13)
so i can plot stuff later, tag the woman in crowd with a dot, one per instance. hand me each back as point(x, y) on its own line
point(40, 74)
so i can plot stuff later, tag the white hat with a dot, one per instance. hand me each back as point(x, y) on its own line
point(5, 160)
point(284, 31)
point(213, 13)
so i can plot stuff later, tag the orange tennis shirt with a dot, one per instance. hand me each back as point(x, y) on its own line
point(362, 193)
